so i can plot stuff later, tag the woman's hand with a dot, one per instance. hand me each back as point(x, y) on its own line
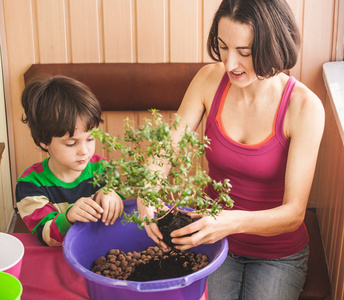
point(152, 229)
point(112, 205)
point(84, 210)
point(206, 230)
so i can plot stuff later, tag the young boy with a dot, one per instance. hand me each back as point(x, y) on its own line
point(53, 194)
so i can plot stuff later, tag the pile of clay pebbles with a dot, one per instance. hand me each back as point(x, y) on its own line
point(155, 263)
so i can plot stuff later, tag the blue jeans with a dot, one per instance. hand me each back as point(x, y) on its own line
point(248, 278)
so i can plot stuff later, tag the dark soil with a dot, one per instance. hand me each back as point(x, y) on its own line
point(171, 222)
point(155, 263)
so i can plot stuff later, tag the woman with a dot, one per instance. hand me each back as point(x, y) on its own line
point(265, 130)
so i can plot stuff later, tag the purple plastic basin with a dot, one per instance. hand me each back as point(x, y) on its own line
point(85, 242)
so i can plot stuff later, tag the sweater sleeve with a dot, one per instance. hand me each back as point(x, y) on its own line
point(54, 230)
point(40, 216)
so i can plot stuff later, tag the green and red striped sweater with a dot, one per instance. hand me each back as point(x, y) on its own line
point(43, 200)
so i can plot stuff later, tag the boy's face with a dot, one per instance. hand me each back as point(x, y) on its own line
point(70, 155)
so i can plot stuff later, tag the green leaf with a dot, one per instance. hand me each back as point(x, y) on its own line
point(150, 144)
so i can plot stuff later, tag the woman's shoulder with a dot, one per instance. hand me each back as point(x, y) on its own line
point(208, 79)
point(305, 108)
point(211, 71)
point(303, 98)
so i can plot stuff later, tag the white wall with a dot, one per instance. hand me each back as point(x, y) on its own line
point(6, 204)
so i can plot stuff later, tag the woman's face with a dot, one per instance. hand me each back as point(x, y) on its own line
point(235, 41)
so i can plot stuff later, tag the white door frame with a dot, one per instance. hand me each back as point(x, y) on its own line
point(6, 194)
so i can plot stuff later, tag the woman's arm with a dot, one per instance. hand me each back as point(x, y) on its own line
point(304, 125)
point(191, 112)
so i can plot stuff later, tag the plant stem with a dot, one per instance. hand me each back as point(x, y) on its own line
point(173, 207)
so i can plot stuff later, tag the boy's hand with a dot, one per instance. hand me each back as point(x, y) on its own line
point(84, 210)
point(112, 205)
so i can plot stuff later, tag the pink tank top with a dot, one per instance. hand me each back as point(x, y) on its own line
point(257, 174)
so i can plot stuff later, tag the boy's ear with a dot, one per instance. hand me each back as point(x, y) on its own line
point(44, 146)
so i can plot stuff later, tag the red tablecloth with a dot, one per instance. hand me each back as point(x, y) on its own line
point(46, 275)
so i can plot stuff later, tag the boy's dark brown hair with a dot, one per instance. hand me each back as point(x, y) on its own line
point(53, 104)
point(276, 37)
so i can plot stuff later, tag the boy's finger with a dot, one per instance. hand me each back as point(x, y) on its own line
point(117, 212)
point(105, 216)
point(88, 215)
point(95, 206)
point(110, 213)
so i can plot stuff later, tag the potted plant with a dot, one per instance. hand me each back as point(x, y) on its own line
point(137, 173)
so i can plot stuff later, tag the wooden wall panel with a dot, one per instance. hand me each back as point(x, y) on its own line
point(152, 31)
point(119, 31)
point(21, 47)
point(85, 32)
point(328, 177)
point(336, 257)
point(338, 289)
point(317, 43)
point(330, 206)
point(209, 9)
point(52, 31)
point(185, 45)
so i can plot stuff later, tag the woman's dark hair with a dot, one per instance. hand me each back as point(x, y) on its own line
point(52, 106)
point(276, 37)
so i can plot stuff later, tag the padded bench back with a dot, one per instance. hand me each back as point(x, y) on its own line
point(128, 86)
